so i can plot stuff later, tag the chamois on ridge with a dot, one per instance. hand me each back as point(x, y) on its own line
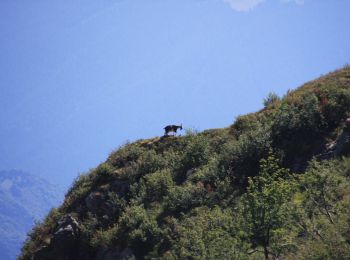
point(172, 128)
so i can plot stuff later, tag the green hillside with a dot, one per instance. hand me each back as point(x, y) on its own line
point(275, 184)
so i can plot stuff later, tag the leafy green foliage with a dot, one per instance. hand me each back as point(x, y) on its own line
point(266, 208)
point(324, 210)
point(241, 157)
point(271, 99)
point(206, 234)
point(184, 198)
point(150, 162)
point(295, 120)
point(125, 155)
point(157, 185)
point(197, 152)
point(140, 228)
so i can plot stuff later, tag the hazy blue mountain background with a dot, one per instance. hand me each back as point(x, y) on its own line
point(24, 199)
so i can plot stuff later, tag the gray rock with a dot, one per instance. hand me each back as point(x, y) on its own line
point(67, 225)
point(63, 243)
point(190, 172)
point(66, 234)
point(339, 146)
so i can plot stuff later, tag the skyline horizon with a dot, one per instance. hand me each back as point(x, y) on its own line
point(79, 79)
point(66, 186)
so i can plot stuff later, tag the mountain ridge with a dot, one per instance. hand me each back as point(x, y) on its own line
point(24, 199)
point(274, 184)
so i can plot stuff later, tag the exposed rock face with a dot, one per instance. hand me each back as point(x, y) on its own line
point(63, 242)
point(342, 143)
point(190, 172)
point(67, 232)
point(340, 146)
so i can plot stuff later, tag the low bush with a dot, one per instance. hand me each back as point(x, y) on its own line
point(271, 99)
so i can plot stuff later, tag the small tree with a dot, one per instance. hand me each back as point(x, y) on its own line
point(324, 210)
point(271, 98)
point(266, 207)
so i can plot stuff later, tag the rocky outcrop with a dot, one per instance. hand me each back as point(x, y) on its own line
point(190, 172)
point(63, 242)
point(339, 147)
point(67, 232)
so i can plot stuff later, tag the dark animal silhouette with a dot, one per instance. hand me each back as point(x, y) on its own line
point(172, 128)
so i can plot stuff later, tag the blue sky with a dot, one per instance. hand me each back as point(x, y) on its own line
point(79, 78)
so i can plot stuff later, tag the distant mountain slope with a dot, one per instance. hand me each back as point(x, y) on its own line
point(273, 185)
point(24, 198)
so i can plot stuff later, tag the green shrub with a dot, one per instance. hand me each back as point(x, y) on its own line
point(104, 173)
point(297, 128)
point(266, 209)
point(197, 152)
point(157, 185)
point(139, 230)
point(89, 227)
point(104, 238)
point(85, 183)
point(183, 198)
point(116, 204)
point(150, 162)
point(244, 123)
point(336, 106)
point(271, 99)
point(324, 210)
point(208, 173)
point(207, 234)
point(241, 157)
point(81, 187)
point(125, 155)
point(302, 115)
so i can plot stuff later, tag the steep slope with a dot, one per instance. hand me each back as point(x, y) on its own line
point(275, 184)
point(24, 198)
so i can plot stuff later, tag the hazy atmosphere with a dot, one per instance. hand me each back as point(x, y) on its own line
point(174, 129)
point(80, 78)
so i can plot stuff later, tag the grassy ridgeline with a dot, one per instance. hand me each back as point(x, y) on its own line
point(275, 184)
